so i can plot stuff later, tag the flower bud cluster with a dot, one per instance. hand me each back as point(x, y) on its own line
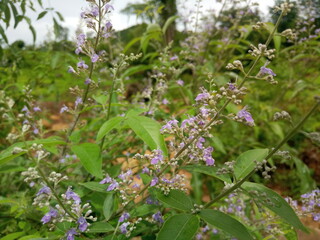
point(283, 115)
point(233, 93)
point(236, 65)
point(262, 166)
point(258, 25)
point(262, 50)
point(284, 7)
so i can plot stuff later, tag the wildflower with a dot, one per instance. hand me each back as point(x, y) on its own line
point(158, 157)
point(81, 39)
point(157, 217)
point(145, 170)
point(114, 184)
point(36, 131)
point(83, 225)
point(64, 109)
point(200, 142)
point(245, 114)
point(25, 109)
point(207, 156)
point(51, 214)
point(107, 179)
point(95, 11)
point(154, 181)
point(123, 227)
point(231, 87)
point(37, 109)
point(170, 124)
point(180, 82)
point(82, 64)
point(124, 216)
point(71, 70)
point(108, 26)
point(87, 81)
point(71, 233)
point(267, 71)
point(78, 101)
point(78, 50)
point(165, 101)
point(94, 58)
point(202, 96)
point(72, 195)
point(108, 7)
point(44, 190)
point(175, 57)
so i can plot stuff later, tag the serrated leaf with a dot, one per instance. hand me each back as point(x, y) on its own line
point(89, 155)
point(179, 227)
point(176, 199)
point(108, 126)
point(100, 227)
point(245, 163)
point(208, 170)
point(149, 131)
point(226, 223)
point(278, 205)
point(108, 206)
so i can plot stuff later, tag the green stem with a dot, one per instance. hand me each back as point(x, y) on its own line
point(274, 150)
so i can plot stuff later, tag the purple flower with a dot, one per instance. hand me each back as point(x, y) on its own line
point(81, 39)
point(78, 50)
point(71, 70)
point(175, 57)
point(107, 179)
point(108, 26)
point(71, 233)
point(72, 195)
point(95, 11)
point(37, 109)
point(36, 131)
point(158, 157)
point(124, 216)
point(165, 101)
point(267, 71)
point(82, 64)
point(107, 7)
point(78, 101)
point(123, 227)
point(170, 124)
point(87, 81)
point(51, 214)
point(114, 184)
point(207, 156)
point(25, 109)
point(231, 86)
point(44, 190)
point(157, 217)
point(83, 225)
point(154, 181)
point(202, 96)
point(107, 35)
point(94, 58)
point(145, 170)
point(244, 114)
point(64, 109)
point(180, 82)
point(200, 142)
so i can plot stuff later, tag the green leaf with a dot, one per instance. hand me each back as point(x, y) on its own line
point(176, 199)
point(208, 170)
point(275, 203)
point(179, 227)
point(136, 69)
point(169, 21)
point(89, 155)
point(94, 186)
point(100, 227)
point(42, 14)
point(108, 126)
point(218, 144)
point(149, 131)
point(225, 223)
point(2, 33)
point(245, 163)
point(13, 236)
point(108, 206)
point(143, 210)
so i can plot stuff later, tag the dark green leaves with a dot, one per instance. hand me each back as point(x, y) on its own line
point(245, 163)
point(225, 223)
point(101, 227)
point(176, 199)
point(89, 154)
point(278, 205)
point(179, 227)
point(208, 170)
point(149, 131)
